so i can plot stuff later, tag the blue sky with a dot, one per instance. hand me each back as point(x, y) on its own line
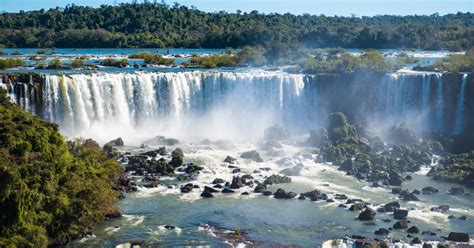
point(327, 7)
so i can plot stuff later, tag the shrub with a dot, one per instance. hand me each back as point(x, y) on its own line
point(114, 62)
point(55, 64)
point(77, 63)
point(10, 63)
point(149, 58)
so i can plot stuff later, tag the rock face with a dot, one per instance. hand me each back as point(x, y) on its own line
point(367, 214)
point(402, 134)
point(339, 129)
point(253, 155)
point(282, 194)
point(275, 133)
point(318, 137)
point(458, 237)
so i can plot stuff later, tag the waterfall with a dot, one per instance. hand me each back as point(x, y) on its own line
point(458, 124)
point(223, 104)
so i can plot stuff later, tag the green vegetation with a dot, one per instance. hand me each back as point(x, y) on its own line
point(452, 63)
point(16, 53)
point(51, 191)
point(149, 58)
point(41, 51)
point(160, 25)
point(10, 63)
point(114, 62)
point(77, 63)
point(55, 64)
point(212, 61)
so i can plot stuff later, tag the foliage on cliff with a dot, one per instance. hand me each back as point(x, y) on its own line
point(452, 63)
point(160, 25)
point(50, 191)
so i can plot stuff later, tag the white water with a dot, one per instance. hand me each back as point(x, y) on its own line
point(458, 125)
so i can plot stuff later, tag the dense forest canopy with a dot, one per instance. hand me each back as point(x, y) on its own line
point(162, 25)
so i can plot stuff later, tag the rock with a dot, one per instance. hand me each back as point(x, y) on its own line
point(462, 217)
point(382, 231)
point(429, 190)
point(318, 137)
point(330, 200)
point(416, 240)
point(458, 237)
point(282, 194)
point(395, 179)
point(413, 229)
point(339, 129)
point(218, 186)
point(154, 153)
point(236, 170)
point(191, 168)
point(113, 214)
point(162, 140)
point(245, 193)
point(342, 206)
point(218, 181)
point(271, 145)
point(416, 192)
point(246, 179)
point(187, 188)
point(236, 183)
point(356, 207)
point(444, 208)
point(253, 155)
point(275, 133)
point(206, 194)
point(293, 171)
point(396, 191)
point(115, 142)
point(267, 193)
point(341, 197)
point(301, 197)
point(276, 179)
point(209, 189)
point(260, 188)
point(169, 227)
point(400, 214)
point(407, 196)
point(177, 157)
point(390, 207)
point(227, 191)
point(367, 214)
point(402, 134)
point(427, 245)
point(230, 160)
point(312, 194)
point(457, 191)
point(401, 224)
point(408, 177)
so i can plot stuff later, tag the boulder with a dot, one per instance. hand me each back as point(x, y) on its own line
point(457, 191)
point(236, 183)
point(367, 214)
point(115, 142)
point(267, 193)
point(413, 229)
point(275, 133)
point(253, 155)
point(230, 160)
point(282, 194)
point(227, 191)
point(206, 194)
point(402, 134)
point(356, 207)
point(400, 214)
point(209, 189)
point(260, 188)
point(318, 137)
point(218, 181)
point(382, 231)
point(401, 224)
point(187, 188)
point(416, 240)
point(312, 194)
point(458, 237)
point(391, 206)
point(429, 190)
point(276, 179)
point(339, 129)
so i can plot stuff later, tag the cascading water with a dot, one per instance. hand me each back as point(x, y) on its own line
point(458, 124)
point(220, 104)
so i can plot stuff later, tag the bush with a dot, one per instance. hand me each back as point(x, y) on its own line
point(77, 63)
point(10, 63)
point(213, 61)
point(16, 53)
point(114, 62)
point(149, 58)
point(55, 64)
point(41, 51)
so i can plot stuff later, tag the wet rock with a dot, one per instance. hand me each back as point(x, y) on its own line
point(276, 179)
point(293, 171)
point(342, 206)
point(218, 181)
point(395, 179)
point(427, 245)
point(162, 140)
point(396, 191)
point(407, 196)
point(442, 209)
point(275, 133)
point(408, 177)
point(230, 160)
point(391, 206)
point(416, 240)
point(177, 157)
point(154, 153)
point(301, 197)
point(458, 237)
point(400, 214)
point(267, 193)
point(413, 229)
point(170, 227)
point(245, 193)
point(330, 200)
point(209, 189)
point(367, 214)
point(271, 145)
point(260, 188)
point(236, 170)
point(151, 185)
point(246, 179)
point(341, 197)
point(401, 224)
point(227, 191)
point(187, 188)
point(462, 217)
point(206, 194)
point(236, 183)
point(429, 190)
point(312, 194)
point(282, 194)
point(252, 155)
point(356, 207)
point(191, 168)
point(115, 142)
point(382, 231)
point(218, 186)
point(457, 191)
point(113, 214)
point(416, 192)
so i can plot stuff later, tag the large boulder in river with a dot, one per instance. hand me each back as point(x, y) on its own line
point(162, 140)
point(402, 134)
point(115, 142)
point(276, 179)
point(400, 214)
point(391, 206)
point(236, 183)
point(282, 194)
point(458, 237)
point(401, 224)
point(260, 188)
point(457, 191)
point(429, 190)
point(367, 214)
point(275, 133)
point(177, 157)
point(318, 137)
point(253, 155)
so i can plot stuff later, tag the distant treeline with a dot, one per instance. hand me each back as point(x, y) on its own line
point(162, 25)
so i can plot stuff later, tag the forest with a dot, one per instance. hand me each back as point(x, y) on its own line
point(157, 25)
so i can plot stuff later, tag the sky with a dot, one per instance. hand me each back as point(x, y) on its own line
point(326, 7)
